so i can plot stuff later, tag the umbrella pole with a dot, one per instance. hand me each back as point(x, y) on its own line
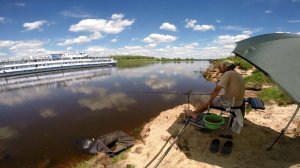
point(284, 129)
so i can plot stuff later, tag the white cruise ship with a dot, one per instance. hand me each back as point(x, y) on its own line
point(53, 62)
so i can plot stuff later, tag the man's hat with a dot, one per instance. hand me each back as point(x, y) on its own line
point(227, 64)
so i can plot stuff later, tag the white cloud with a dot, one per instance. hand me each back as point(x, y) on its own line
point(97, 27)
point(227, 39)
point(113, 26)
point(294, 21)
point(69, 48)
point(191, 45)
point(268, 11)
point(159, 38)
point(152, 45)
point(168, 26)
point(6, 43)
point(218, 21)
point(117, 16)
point(34, 25)
point(20, 4)
point(114, 40)
point(196, 27)
point(24, 49)
point(81, 39)
point(235, 28)
point(75, 13)
point(2, 19)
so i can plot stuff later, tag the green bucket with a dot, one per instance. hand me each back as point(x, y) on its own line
point(213, 121)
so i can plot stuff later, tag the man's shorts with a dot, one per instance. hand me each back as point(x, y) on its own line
point(220, 101)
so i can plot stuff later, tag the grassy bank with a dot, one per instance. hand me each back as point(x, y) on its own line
point(128, 61)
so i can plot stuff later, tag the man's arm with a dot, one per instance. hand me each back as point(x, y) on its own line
point(214, 94)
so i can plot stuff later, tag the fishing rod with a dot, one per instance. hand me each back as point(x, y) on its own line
point(178, 136)
point(177, 93)
point(170, 147)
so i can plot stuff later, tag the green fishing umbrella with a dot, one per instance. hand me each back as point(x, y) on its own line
point(278, 56)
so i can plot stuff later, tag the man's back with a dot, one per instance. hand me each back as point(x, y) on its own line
point(234, 86)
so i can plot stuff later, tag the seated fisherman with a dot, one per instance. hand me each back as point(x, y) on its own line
point(234, 90)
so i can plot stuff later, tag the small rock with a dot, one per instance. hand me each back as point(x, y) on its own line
point(164, 137)
point(138, 150)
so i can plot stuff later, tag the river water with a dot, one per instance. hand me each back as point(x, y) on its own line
point(43, 115)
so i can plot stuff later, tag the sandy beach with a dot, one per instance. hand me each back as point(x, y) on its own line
point(261, 127)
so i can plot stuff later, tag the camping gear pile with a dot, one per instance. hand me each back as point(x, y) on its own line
point(111, 144)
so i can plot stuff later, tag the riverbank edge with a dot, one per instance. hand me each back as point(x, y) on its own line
point(122, 159)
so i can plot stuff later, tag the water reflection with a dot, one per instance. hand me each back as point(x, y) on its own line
point(53, 79)
point(7, 133)
point(48, 113)
point(105, 99)
point(156, 83)
point(51, 110)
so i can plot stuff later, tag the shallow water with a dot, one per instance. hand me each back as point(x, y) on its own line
point(42, 115)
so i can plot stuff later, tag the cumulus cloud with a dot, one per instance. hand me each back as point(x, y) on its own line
point(114, 26)
point(6, 43)
point(168, 26)
point(228, 39)
point(97, 28)
point(196, 27)
point(34, 25)
point(159, 38)
point(81, 39)
point(24, 49)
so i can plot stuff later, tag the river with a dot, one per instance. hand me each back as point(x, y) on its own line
point(43, 115)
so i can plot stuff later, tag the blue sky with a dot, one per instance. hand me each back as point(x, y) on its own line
point(161, 28)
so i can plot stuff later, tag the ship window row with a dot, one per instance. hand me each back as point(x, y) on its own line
point(52, 64)
point(41, 60)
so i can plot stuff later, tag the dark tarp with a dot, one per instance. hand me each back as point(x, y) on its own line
point(278, 56)
point(111, 144)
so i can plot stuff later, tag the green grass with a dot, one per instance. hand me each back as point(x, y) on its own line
point(83, 164)
point(258, 77)
point(275, 94)
point(119, 157)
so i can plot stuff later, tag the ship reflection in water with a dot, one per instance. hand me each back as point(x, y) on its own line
point(53, 79)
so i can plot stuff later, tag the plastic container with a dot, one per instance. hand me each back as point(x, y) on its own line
point(213, 121)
